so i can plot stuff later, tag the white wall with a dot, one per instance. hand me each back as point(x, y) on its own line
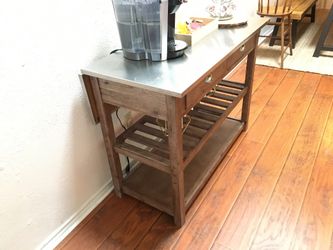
point(52, 157)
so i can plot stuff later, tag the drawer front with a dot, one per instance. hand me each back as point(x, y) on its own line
point(209, 80)
point(137, 99)
point(204, 85)
point(240, 53)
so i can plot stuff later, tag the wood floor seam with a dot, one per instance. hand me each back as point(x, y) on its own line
point(307, 188)
point(263, 151)
point(304, 164)
point(266, 207)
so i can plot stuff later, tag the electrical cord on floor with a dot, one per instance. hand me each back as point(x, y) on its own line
point(115, 50)
point(128, 167)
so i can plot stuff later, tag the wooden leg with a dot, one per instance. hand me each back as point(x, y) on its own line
point(282, 43)
point(294, 32)
point(290, 43)
point(104, 112)
point(275, 31)
point(324, 33)
point(313, 13)
point(175, 137)
point(250, 66)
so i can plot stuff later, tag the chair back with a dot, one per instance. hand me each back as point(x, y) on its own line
point(274, 7)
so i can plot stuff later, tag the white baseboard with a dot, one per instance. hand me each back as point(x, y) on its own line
point(58, 235)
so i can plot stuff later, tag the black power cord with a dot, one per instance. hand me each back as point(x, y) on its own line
point(115, 50)
point(128, 167)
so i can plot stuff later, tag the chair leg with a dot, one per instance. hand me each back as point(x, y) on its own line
point(290, 44)
point(313, 13)
point(294, 32)
point(282, 42)
point(275, 31)
point(323, 34)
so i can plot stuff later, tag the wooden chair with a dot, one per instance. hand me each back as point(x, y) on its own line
point(280, 10)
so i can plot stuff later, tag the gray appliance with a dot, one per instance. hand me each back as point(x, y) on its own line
point(147, 29)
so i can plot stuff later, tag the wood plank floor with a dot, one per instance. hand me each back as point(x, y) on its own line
point(274, 189)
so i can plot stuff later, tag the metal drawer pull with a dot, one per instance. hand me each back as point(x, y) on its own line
point(242, 48)
point(209, 79)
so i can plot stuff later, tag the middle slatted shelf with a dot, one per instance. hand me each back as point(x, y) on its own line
point(147, 140)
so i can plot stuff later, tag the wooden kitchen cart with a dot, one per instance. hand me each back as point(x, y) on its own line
point(184, 131)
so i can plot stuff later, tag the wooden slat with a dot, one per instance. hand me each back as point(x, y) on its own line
point(129, 131)
point(189, 141)
point(160, 145)
point(144, 156)
point(216, 125)
point(232, 84)
point(204, 116)
point(261, 182)
point(227, 90)
point(133, 227)
point(203, 228)
point(151, 131)
point(223, 96)
point(289, 192)
point(200, 123)
point(195, 132)
point(218, 102)
point(315, 224)
point(209, 109)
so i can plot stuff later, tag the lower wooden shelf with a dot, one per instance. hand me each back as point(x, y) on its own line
point(154, 187)
point(145, 142)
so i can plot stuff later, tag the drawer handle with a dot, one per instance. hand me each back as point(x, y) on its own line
point(242, 48)
point(209, 79)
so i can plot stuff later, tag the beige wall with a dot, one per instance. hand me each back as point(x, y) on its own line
point(52, 157)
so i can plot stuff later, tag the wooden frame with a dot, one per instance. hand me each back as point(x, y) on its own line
point(281, 10)
point(172, 168)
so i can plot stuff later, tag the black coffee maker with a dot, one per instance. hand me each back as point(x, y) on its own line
point(175, 47)
point(147, 29)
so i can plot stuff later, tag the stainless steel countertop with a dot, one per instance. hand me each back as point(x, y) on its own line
point(174, 77)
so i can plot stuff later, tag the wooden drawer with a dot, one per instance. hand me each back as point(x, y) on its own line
point(241, 52)
point(214, 76)
point(206, 83)
point(142, 100)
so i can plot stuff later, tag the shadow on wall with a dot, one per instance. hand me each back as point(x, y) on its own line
point(87, 163)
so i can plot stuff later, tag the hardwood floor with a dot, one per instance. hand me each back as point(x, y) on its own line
point(274, 189)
